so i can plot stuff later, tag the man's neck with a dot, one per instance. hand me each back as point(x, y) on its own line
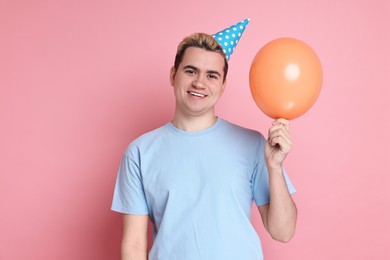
point(194, 123)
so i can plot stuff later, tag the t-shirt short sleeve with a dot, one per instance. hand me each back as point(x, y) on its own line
point(129, 195)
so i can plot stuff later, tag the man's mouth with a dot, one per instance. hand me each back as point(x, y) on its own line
point(195, 94)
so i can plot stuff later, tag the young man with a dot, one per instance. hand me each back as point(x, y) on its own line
point(197, 176)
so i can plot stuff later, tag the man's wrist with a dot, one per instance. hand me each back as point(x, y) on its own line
point(275, 169)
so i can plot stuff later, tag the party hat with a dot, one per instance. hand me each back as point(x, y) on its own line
point(229, 37)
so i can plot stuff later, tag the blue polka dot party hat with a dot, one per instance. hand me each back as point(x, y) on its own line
point(229, 37)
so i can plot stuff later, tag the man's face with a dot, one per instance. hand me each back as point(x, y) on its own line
point(198, 82)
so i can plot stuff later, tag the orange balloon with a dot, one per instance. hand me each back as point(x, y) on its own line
point(285, 78)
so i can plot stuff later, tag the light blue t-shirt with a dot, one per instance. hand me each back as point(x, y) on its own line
point(198, 189)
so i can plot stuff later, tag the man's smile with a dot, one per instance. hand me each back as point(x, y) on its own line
point(196, 94)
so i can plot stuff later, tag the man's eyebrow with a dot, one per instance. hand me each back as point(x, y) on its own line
point(190, 67)
point(196, 69)
point(214, 72)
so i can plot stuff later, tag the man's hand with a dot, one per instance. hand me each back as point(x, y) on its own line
point(278, 144)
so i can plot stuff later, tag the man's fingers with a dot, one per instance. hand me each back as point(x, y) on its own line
point(278, 130)
point(278, 134)
point(283, 122)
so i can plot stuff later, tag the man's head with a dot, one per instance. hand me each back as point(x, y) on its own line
point(203, 41)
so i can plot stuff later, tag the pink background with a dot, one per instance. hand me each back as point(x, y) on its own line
point(80, 79)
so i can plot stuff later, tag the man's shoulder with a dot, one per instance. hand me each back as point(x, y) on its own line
point(148, 138)
point(155, 133)
point(241, 130)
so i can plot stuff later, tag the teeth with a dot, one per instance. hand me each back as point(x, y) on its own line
point(197, 94)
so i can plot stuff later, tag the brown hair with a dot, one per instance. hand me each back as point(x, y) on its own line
point(203, 41)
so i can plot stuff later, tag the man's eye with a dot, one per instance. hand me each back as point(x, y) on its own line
point(212, 76)
point(191, 72)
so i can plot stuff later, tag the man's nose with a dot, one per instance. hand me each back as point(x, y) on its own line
point(199, 83)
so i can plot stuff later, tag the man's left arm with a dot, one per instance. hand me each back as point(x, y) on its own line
point(280, 215)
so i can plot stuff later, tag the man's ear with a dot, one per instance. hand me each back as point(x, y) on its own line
point(172, 75)
point(223, 86)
